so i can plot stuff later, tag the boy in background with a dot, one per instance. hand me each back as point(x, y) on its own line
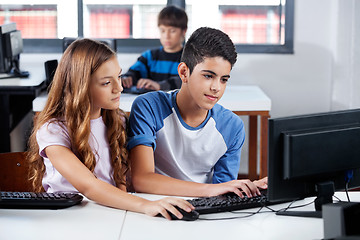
point(184, 143)
point(156, 69)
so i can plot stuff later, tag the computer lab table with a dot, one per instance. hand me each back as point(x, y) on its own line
point(85, 221)
point(242, 100)
point(93, 221)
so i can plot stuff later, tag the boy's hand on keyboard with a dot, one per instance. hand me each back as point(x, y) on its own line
point(236, 186)
point(261, 183)
point(127, 81)
point(148, 84)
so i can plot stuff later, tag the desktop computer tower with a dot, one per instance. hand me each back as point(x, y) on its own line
point(341, 220)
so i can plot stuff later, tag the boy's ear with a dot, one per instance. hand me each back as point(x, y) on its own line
point(184, 33)
point(184, 72)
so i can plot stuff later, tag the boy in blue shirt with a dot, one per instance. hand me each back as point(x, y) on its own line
point(183, 142)
point(156, 69)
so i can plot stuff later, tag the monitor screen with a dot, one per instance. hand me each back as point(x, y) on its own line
point(313, 155)
point(14, 44)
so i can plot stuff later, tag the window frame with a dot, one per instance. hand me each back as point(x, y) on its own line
point(131, 45)
point(286, 48)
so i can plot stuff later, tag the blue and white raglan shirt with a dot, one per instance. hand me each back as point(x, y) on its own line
point(159, 66)
point(209, 153)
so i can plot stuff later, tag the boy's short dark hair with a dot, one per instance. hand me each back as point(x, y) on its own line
point(208, 42)
point(173, 16)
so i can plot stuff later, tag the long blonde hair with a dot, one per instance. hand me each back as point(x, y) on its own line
point(69, 102)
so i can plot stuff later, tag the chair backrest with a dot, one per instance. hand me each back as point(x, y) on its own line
point(14, 172)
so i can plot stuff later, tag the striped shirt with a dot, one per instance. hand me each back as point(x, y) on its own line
point(159, 66)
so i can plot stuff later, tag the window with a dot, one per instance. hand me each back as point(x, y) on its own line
point(255, 26)
point(38, 21)
point(265, 28)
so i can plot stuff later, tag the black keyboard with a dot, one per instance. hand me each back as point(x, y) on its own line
point(135, 90)
point(32, 200)
point(227, 202)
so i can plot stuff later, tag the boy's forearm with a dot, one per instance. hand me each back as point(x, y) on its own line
point(159, 184)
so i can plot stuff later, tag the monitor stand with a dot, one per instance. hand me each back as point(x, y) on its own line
point(325, 192)
point(15, 72)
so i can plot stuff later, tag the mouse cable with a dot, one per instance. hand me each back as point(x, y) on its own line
point(291, 207)
point(298, 206)
point(249, 214)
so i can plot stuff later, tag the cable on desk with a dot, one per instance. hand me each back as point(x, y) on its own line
point(249, 214)
point(298, 206)
point(292, 207)
point(338, 199)
point(348, 176)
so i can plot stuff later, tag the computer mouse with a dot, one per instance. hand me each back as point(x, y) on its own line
point(187, 216)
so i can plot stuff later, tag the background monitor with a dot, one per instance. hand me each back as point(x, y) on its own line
point(108, 41)
point(313, 155)
point(11, 45)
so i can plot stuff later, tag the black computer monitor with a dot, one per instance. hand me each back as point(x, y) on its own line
point(11, 45)
point(313, 155)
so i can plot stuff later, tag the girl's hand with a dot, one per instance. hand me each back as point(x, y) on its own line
point(153, 208)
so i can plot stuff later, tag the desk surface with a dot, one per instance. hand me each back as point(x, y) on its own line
point(85, 221)
point(265, 225)
point(235, 98)
point(37, 76)
point(92, 221)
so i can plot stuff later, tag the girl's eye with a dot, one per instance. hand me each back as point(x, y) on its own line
point(106, 83)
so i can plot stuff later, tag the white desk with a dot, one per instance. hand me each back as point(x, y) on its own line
point(85, 221)
point(260, 226)
point(242, 100)
point(92, 221)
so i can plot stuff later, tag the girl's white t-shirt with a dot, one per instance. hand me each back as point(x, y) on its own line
point(55, 133)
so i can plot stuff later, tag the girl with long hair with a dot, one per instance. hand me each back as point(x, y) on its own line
point(78, 143)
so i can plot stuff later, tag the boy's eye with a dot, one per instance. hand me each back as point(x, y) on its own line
point(208, 76)
point(224, 79)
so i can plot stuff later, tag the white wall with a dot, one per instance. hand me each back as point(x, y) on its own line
point(298, 83)
point(346, 77)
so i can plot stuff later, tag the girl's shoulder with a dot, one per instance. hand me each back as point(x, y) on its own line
point(53, 126)
point(53, 132)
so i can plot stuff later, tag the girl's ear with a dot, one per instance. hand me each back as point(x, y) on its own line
point(184, 72)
